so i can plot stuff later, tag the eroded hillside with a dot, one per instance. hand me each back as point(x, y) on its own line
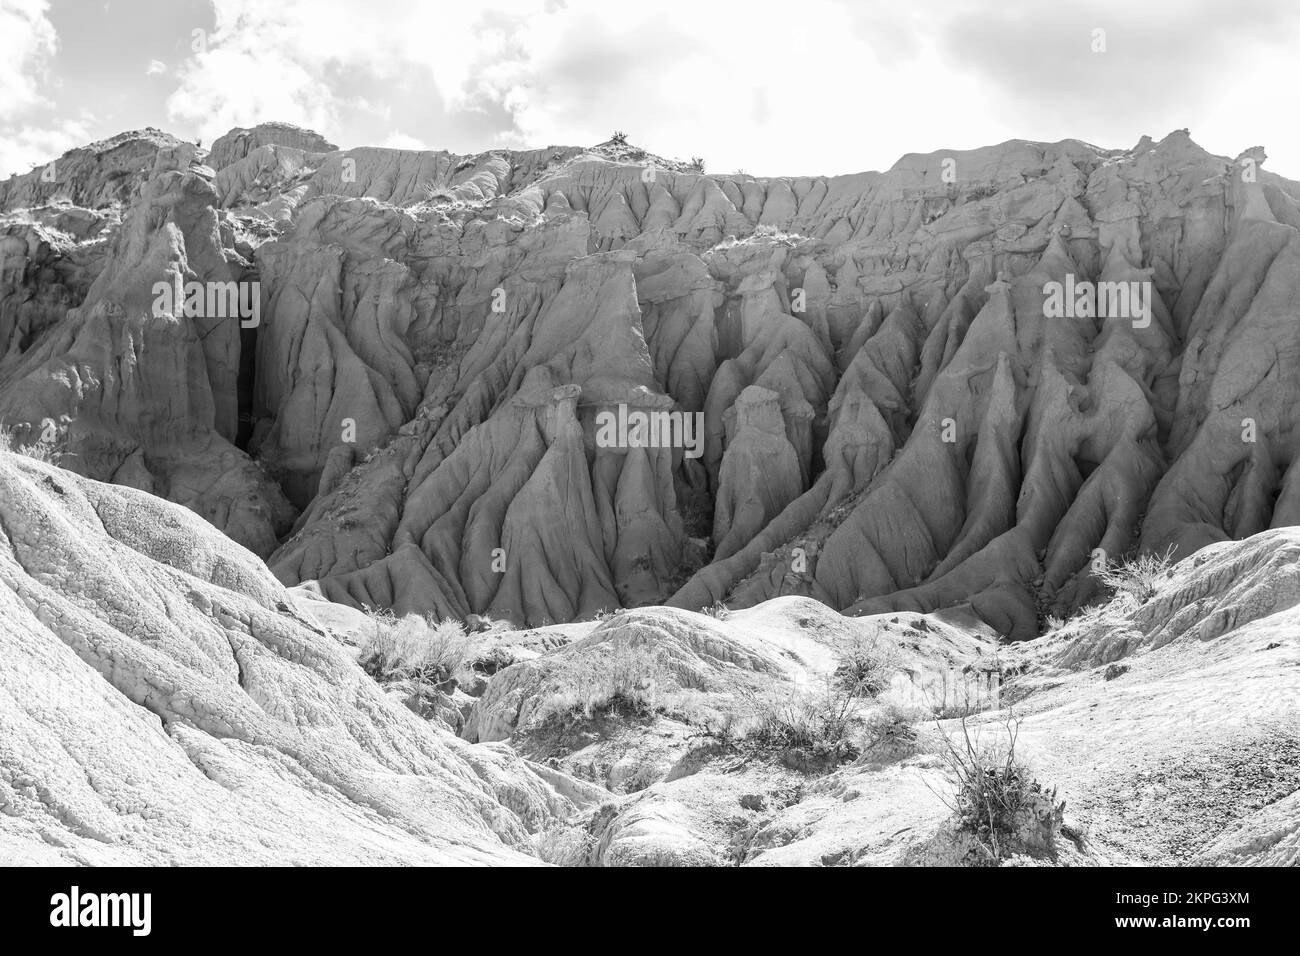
point(893, 416)
point(162, 701)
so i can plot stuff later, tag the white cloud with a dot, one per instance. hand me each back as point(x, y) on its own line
point(27, 43)
point(311, 62)
point(238, 84)
point(400, 140)
point(22, 149)
point(687, 77)
point(837, 86)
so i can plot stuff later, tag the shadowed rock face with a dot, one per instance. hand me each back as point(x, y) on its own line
point(900, 410)
point(138, 394)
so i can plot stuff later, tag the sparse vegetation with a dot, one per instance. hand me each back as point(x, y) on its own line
point(697, 163)
point(618, 679)
point(717, 609)
point(891, 729)
point(696, 509)
point(812, 729)
point(435, 194)
point(996, 801)
point(562, 845)
point(968, 700)
point(966, 692)
point(348, 520)
point(867, 669)
point(1131, 581)
point(50, 452)
point(1138, 575)
point(982, 191)
point(619, 138)
point(819, 729)
point(722, 727)
point(1084, 618)
point(413, 647)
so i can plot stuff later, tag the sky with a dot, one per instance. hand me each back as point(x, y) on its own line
point(813, 87)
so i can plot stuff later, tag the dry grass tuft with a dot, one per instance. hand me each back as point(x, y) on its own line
point(50, 452)
point(624, 679)
point(413, 647)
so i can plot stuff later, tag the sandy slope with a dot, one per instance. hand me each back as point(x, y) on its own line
point(161, 703)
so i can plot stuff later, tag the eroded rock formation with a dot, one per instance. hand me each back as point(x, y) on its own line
point(894, 416)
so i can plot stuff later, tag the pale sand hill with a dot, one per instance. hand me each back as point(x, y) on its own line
point(160, 703)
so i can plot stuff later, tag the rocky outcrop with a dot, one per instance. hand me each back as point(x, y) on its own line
point(139, 388)
point(961, 417)
point(110, 172)
point(49, 257)
point(240, 142)
point(759, 474)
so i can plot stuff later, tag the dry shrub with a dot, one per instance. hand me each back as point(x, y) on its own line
point(997, 802)
point(1138, 575)
point(891, 731)
point(868, 668)
point(717, 610)
point(814, 729)
point(610, 678)
point(413, 647)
